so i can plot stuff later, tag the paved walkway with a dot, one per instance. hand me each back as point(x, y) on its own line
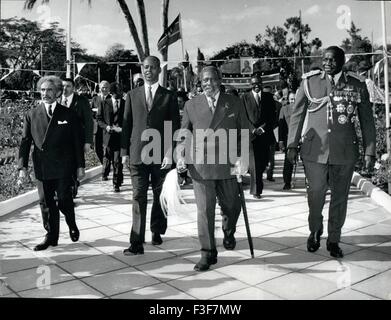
point(94, 267)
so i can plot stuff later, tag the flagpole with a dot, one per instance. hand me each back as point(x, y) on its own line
point(68, 44)
point(386, 89)
point(183, 52)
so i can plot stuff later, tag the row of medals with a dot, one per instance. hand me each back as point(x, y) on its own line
point(351, 98)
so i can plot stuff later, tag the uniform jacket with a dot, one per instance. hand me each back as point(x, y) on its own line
point(81, 106)
point(107, 117)
point(330, 134)
point(58, 148)
point(137, 119)
point(198, 117)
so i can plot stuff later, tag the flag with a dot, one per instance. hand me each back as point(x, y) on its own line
point(170, 35)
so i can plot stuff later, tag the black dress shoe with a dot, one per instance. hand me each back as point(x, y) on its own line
point(206, 262)
point(271, 179)
point(229, 242)
point(105, 178)
point(74, 233)
point(257, 196)
point(287, 186)
point(45, 244)
point(156, 239)
point(134, 249)
point(335, 250)
point(313, 242)
point(116, 189)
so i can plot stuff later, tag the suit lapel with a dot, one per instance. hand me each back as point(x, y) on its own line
point(43, 122)
point(220, 111)
point(156, 98)
point(52, 122)
point(73, 102)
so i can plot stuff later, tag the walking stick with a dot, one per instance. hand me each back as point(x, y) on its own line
point(243, 203)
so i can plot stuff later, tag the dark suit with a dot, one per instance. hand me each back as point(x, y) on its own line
point(81, 106)
point(96, 102)
point(283, 129)
point(57, 153)
point(330, 146)
point(137, 119)
point(214, 179)
point(111, 140)
point(260, 115)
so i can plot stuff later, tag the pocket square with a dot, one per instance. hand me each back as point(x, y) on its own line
point(62, 122)
point(231, 115)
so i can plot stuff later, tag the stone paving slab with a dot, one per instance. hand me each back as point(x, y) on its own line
point(282, 268)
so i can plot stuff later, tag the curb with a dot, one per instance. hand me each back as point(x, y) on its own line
point(375, 193)
point(18, 202)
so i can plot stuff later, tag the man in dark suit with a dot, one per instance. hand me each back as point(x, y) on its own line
point(96, 102)
point(56, 133)
point(110, 116)
point(205, 117)
point(149, 109)
point(283, 129)
point(80, 105)
point(261, 112)
point(332, 100)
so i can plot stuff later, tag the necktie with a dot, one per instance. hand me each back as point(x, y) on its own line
point(257, 99)
point(149, 98)
point(212, 104)
point(66, 102)
point(50, 111)
point(116, 106)
point(332, 81)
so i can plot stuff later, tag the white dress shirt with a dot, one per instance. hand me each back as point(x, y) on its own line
point(217, 95)
point(69, 100)
point(47, 107)
point(153, 89)
point(257, 94)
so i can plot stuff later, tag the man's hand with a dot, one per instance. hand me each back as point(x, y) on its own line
point(125, 160)
point(281, 145)
point(166, 163)
point(117, 129)
point(240, 168)
point(292, 155)
point(258, 131)
point(80, 173)
point(87, 147)
point(22, 176)
point(108, 129)
point(181, 165)
point(369, 163)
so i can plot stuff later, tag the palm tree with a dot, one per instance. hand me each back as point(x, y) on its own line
point(142, 51)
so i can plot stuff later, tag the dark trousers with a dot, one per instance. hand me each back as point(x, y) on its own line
point(287, 171)
point(259, 157)
point(112, 156)
point(227, 193)
point(270, 169)
point(140, 175)
point(99, 144)
point(320, 178)
point(49, 207)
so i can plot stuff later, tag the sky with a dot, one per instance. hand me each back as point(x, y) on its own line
point(210, 25)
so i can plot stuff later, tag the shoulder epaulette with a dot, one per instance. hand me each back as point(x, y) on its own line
point(355, 75)
point(310, 74)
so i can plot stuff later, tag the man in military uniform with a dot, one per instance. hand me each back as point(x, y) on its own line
point(333, 100)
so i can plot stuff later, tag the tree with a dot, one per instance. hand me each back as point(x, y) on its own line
point(142, 49)
point(355, 43)
point(21, 40)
